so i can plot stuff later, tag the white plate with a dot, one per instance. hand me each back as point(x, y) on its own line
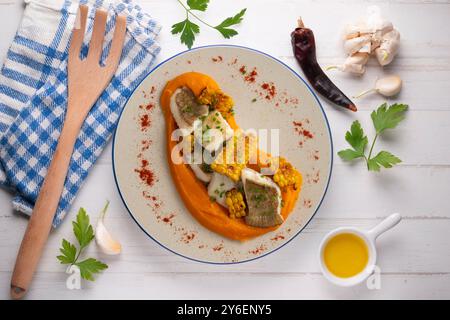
point(164, 218)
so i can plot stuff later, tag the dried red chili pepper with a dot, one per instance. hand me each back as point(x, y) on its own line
point(304, 47)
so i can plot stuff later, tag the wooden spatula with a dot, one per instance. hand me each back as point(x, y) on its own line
point(86, 81)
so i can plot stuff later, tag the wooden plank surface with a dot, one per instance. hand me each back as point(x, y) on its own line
point(414, 258)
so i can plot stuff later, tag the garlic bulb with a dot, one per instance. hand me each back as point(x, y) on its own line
point(387, 86)
point(371, 34)
point(105, 241)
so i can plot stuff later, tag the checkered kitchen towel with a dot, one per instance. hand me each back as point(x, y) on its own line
point(33, 94)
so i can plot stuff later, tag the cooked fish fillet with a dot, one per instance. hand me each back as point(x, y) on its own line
point(263, 199)
point(218, 186)
point(185, 109)
point(215, 131)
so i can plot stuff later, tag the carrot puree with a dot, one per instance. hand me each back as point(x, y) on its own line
point(193, 192)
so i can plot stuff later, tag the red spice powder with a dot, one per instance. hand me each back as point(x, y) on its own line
point(258, 250)
point(188, 237)
point(251, 77)
point(307, 134)
point(145, 174)
point(147, 107)
point(277, 237)
point(145, 144)
point(314, 177)
point(218, 247)
point(243, 70)
point(298, 126)
point(168, 219)
point(234, 61)
point(145, 122)
point(316, 155)
point(307, 203)
point(270, 90)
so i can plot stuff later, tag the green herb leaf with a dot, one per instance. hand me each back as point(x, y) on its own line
point(383, 158)
point(356, 138)
point(90, 266)
point(388, 117)
point(223, 27)
point(188, 30)
point(178, 27)
point(85, 234)
point(199, 5)
point(69, 252)
point(349, 154)
point(82, 229)
point(383, 118)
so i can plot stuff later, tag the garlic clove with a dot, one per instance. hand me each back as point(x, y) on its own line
point(354, 64)
point(389, 86)
point(104, 240)
point(354, 45)
point(358, 58)
point(388, 48)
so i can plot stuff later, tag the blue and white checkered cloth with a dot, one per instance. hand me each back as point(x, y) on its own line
point(33, 94)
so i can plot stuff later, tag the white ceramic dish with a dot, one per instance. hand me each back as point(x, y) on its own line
point(159, 210)
point(369, 237)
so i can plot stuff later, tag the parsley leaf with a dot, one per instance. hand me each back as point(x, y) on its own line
point(69, 253)
point(90, 266)
point(188, 29)
point(82, 229)
point(228, 22)
point(383, 158)
point(349, 154)
point(356, 138)
point(383, 118)
point(199, 5)
point(388, 118)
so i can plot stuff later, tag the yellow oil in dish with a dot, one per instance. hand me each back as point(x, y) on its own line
point(346, 255)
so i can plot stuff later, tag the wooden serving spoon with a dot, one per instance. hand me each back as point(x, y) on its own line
point(86, 81)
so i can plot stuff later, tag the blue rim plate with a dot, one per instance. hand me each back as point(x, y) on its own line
point(207, 247)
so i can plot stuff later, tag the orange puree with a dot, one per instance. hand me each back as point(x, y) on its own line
point(193, 192)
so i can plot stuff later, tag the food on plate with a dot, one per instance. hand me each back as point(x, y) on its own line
point(225, 190)
point(388, 86)
point(304, 47)
point(263, 199)
point(185, 109)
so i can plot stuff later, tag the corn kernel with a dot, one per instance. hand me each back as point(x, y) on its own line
point(236, 204)
point(286, 175)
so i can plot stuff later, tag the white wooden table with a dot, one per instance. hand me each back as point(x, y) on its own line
point(414, 258)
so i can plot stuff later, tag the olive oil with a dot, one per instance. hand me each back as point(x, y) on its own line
point(346, 255)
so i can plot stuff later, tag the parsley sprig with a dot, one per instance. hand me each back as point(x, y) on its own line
point(383, 118)
point(70, 254)
point(189, 29)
